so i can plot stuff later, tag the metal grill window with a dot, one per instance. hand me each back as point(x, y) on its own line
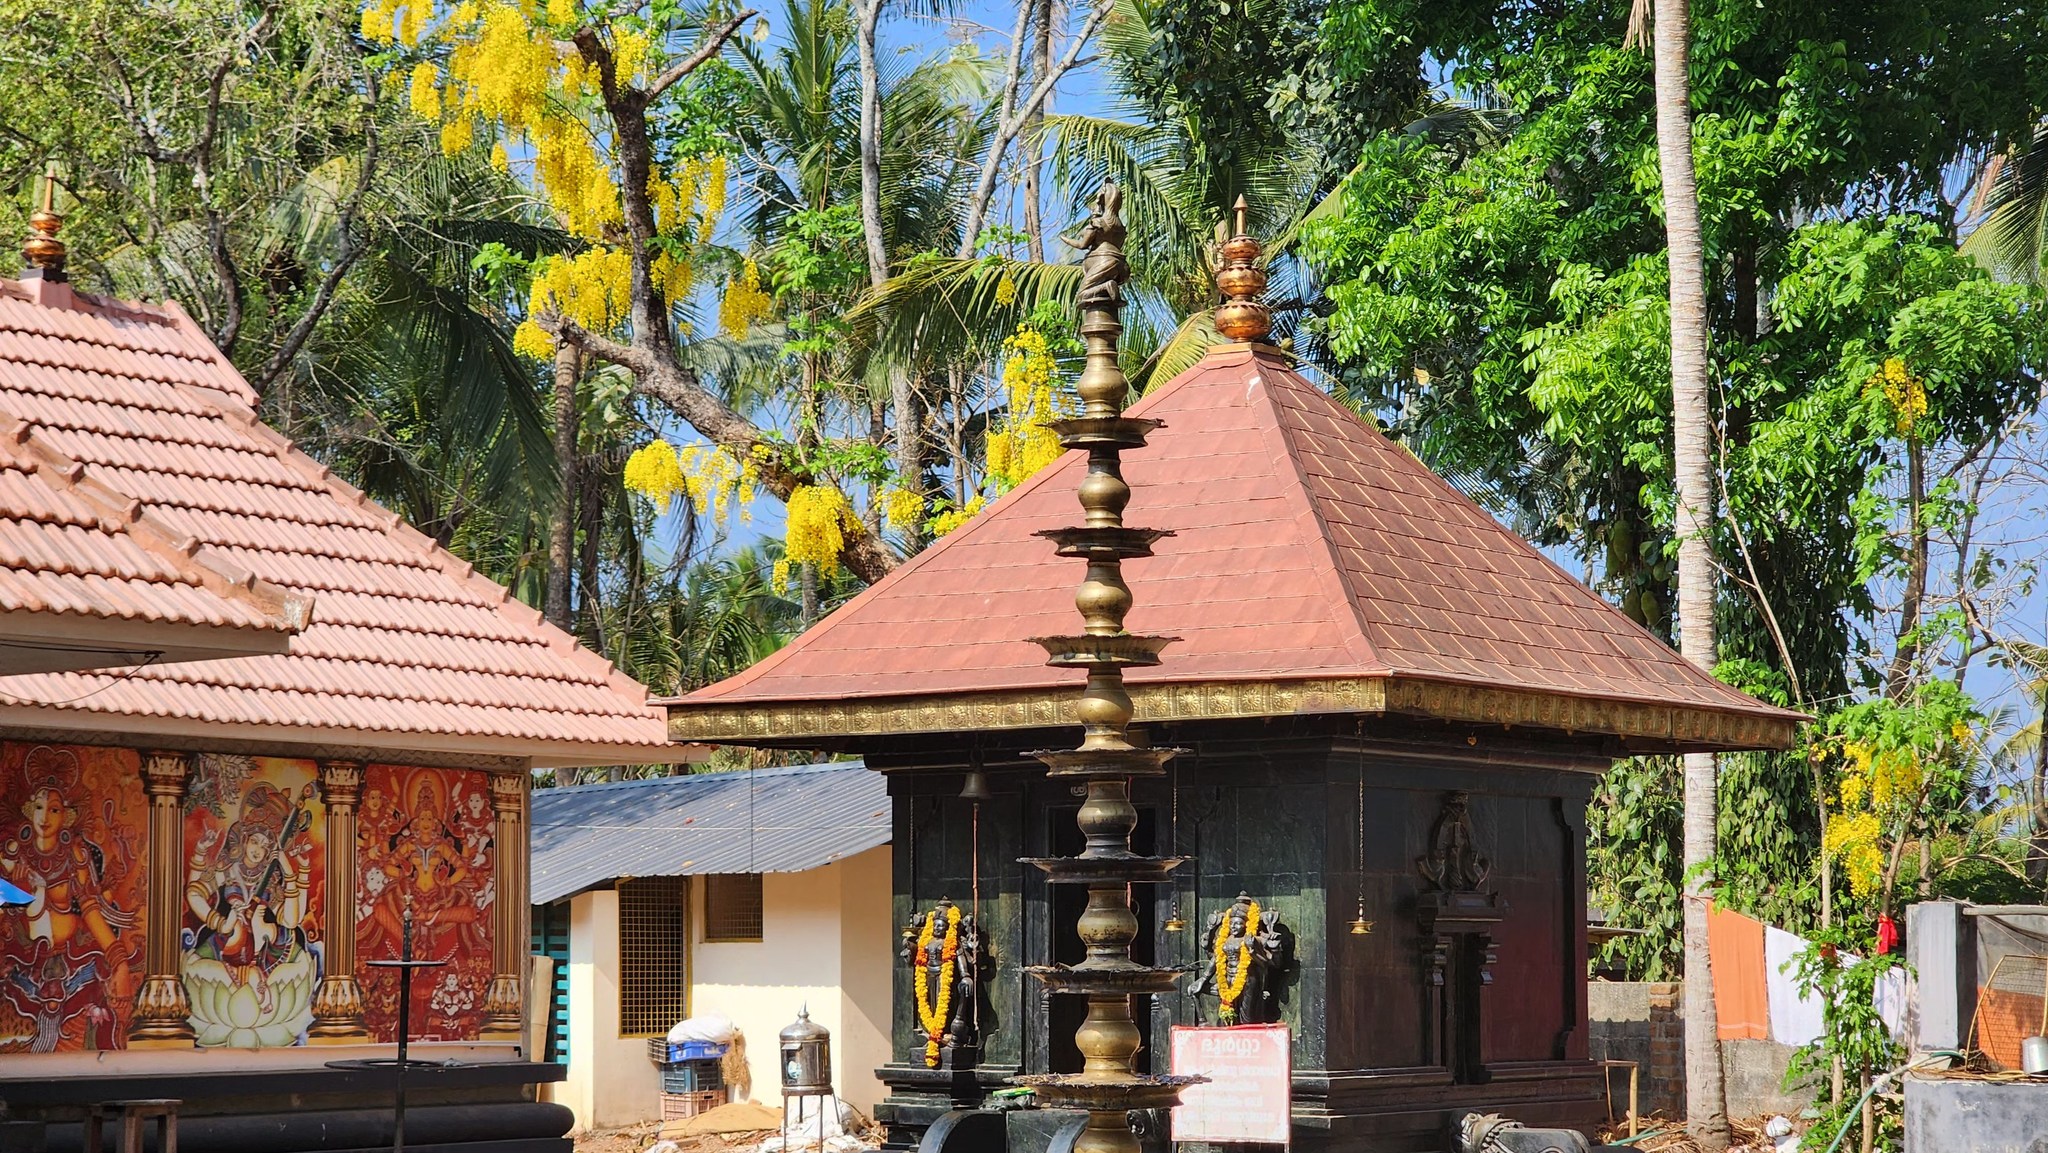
point(732, 907)
point(654, 955)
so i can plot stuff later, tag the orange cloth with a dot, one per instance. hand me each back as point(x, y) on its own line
point(1735, 945)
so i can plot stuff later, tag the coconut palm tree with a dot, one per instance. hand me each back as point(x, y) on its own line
point(1692, 429)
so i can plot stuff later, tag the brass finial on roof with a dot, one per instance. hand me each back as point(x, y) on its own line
point(1241, 316)
point(43, 250)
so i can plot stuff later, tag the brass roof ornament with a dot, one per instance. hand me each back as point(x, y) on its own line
point(1240, 277)
point(1108, 1085)
point(43, 251)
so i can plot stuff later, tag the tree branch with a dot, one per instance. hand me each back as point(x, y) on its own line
point(1015, 116)
point(348, 251)
point(714, 43)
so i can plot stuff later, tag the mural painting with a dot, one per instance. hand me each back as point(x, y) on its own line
point(424, 844)
point(76, 837)
point(255, 843)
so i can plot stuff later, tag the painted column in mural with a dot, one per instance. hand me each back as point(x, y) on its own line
point(506, 1005)
point(161, 1008)
point(338, 1004)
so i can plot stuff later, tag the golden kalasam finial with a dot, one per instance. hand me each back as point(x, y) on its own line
point(43, 250)
point(1241, 316)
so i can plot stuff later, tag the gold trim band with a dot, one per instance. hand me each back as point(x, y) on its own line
point(1673, 727)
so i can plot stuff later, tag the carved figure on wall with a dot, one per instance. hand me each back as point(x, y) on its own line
point(943, 948)
point(425, 841)
point(1245, 950)
point(250, 961)
point(69, 953)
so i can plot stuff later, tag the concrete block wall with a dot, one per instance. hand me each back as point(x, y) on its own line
point(1643, 1021)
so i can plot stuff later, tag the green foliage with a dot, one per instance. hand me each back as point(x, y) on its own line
point(1853, 1034)
point(1768, 836)
point(1504, 309)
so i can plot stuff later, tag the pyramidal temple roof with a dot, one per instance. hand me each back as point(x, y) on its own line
point(1316, 567)
point(137, 483)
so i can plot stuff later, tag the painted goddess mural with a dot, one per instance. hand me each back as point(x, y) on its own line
point(424, 845)
point(75, 845)
point(251, 956)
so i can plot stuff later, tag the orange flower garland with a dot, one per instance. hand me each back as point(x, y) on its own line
point(1227, 989)
point(933, 1017)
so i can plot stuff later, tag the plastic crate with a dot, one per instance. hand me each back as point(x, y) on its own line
point(680, 1106)
point(662, 1052)
point(692, 1076)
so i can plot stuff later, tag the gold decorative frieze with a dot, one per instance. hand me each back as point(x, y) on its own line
point(1654, 727)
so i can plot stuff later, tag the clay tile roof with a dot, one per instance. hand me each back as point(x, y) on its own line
point(136, 481)
point(1316, 567)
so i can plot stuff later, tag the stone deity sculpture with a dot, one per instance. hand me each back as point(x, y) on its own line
point(1243, 946)
point(943, 949)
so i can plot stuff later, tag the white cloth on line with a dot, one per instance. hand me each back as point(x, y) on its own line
point(1795, 1019)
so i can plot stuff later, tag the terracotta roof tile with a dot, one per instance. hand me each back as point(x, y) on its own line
point(1307, 545)
point(407, 647)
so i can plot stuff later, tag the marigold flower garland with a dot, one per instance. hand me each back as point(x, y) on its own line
point(933, 1017)
point(1226, 988)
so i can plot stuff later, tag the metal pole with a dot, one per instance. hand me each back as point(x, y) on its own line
point(404, 1026)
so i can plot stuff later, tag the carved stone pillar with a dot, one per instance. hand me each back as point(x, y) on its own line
point(338, 1002)
point(510, 916)
point(162, 1014)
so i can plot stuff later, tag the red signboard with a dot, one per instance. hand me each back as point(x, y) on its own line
point(1248, 1095)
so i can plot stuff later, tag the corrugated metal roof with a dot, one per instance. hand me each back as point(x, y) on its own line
point(760, 821)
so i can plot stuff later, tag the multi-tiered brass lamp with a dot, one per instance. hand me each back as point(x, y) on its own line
point(1108, 1085)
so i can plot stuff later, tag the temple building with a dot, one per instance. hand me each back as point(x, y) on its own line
point(256, 732)
point(1391, 712)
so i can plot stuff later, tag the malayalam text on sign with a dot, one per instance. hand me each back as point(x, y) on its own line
point(1247, 1096)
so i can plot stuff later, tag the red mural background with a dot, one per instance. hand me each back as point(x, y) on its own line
point(74, 836)
point(424, 842)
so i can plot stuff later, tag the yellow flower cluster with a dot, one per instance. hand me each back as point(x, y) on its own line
point(424, 92)
point(593, 288)
point(693, 186)
point(403, 21)
point(714, 480)
point(1026, 442)
point(510, 72)
point(744, 304)
point(1855, 840)
point(818, 520)
point(1905, 392)
point(953, 518)
point(902, 508)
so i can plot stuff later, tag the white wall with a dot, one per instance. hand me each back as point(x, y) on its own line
point(611, 1082)
point(827, 943)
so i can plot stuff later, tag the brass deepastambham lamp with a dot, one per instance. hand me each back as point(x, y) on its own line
point(1108, 1087)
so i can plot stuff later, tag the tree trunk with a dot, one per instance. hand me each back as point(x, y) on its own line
point(1906, 647)
point(1705, 1089)
point(1034, 147)
point(869, 13)
point(562, 534)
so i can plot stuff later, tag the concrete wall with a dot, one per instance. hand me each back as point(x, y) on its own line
point(1945, 1116)
point(1642, 1021)
point(826, 944)
point(611, 1082)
